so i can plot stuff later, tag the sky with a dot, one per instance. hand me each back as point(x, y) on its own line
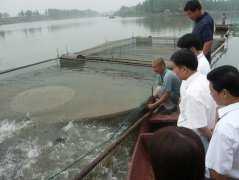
point(14, 6)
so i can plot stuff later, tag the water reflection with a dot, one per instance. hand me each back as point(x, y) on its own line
point(3, 34)
point(32, 31)
point(159, 23)
point(58, 27)
point(51, 27)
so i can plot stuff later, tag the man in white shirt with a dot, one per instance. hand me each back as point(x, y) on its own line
point(197, 108)
point(222, 157)
point(192, 42)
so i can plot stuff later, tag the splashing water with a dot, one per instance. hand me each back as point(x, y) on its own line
point(9, 128)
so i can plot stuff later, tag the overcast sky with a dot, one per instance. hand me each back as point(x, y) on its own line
point(14, 6)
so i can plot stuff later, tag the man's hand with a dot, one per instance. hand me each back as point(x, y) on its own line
point(152, 106)
point(207, 47)
point(216, 176)
point(159, 101)
point(206, 132)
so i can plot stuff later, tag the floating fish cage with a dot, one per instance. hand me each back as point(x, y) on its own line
point(132, 51)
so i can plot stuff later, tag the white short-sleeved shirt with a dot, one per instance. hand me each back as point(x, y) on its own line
point(203, 64)
point(197, 107)
point(223, 152)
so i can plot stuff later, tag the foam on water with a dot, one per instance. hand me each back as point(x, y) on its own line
point(19, 158)
point(10, 127)
point(40, 152)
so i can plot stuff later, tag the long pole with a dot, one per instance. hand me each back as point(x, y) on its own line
point(110, 148)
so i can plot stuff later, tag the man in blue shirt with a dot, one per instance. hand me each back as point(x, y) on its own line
point(168, 87)
point(203, 27)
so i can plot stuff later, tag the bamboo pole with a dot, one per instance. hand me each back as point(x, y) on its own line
point(109, 149)
point(29, 65)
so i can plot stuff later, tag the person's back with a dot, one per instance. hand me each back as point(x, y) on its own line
point(177, 154)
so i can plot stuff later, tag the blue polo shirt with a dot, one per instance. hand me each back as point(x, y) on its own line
point(204, 27)
point(169, 82)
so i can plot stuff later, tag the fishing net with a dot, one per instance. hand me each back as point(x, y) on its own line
point(55, 115)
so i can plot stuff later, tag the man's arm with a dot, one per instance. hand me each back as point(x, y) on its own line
point(205, 132)
point(161, 100)
point(220, 154)
point(216, 176)
point(207, 47)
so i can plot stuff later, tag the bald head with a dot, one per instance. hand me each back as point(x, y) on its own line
point(158, 65)
point(158, 62)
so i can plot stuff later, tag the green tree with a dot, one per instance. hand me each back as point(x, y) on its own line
point(28, 13)
point(21, 13)
point(5, 15)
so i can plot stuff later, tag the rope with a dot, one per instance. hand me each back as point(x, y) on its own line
point(29, 65)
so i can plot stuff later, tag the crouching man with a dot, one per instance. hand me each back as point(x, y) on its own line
point(167, 92)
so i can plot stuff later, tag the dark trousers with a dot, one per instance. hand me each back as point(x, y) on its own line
point(209, 58)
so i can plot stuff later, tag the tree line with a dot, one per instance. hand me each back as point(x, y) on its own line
point(176, 6)
point(4, 15)
point(55, 13)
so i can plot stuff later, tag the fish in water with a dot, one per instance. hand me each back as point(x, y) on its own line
point(61, 140)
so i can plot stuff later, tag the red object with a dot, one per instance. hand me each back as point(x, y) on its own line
point(158, 118)
point(140, 165)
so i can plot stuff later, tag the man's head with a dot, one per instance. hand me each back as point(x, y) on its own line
point(159, 66)
point(190, 41)
point(224, 84)
point(185, 63)
point(193, 9)
point(177, 153)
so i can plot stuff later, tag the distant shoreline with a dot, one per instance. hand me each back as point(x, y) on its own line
point(17, 20)
point(169, 13)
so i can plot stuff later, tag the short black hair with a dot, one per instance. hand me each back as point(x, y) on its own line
point(192, 5)
point(225, 77)
point(190, 40)
point(177, 153)
point(185, 57)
